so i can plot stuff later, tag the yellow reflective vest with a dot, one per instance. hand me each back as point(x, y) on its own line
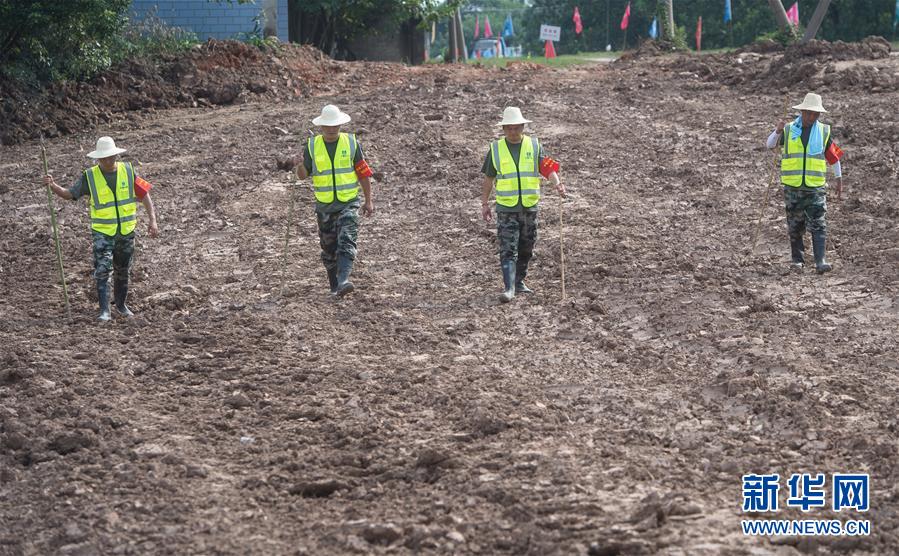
point(113, 212)
point(517, 179)
point(797, 163)
point(339, 180)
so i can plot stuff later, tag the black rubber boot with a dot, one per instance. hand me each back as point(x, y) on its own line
point(332, 280)
point(120, 294)
point(819, 243)
point(344, 268)
point(103, 297)
point(508, 268)
point(797, 250)
point(520, 273)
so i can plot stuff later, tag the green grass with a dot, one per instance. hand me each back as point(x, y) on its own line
point(716, 50)
point(561, 61)
point(567, 60)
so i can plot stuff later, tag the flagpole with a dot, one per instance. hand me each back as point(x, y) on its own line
point(895, 21)
point(729, 22)
point(609, 27)
point(699, 35)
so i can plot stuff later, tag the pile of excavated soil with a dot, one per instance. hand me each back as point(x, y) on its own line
point(214, 73)
point(817, 65)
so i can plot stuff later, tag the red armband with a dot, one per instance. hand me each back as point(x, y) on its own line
point(362, 169)
point(548, 166)
point(833, 154)
point(141, 188)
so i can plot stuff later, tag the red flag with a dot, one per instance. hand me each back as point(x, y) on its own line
point(627, 17)
point(142, 187)
point(699, 35)
point(577, 22)
point(833, 153)
point(793, 14)
point(549, 50)
point(487, 32)
point(477, 26)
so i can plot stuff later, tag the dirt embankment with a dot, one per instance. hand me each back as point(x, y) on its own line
point(214, 73)
point(766, 66)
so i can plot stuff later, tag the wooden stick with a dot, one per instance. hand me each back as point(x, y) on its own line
point(62, 274)
point(562, 243)
point(290, 193)
point(839, 217)
point(774, 169)
point(758, 222)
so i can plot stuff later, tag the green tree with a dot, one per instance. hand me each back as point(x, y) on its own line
point(601, 20)
point(852, 20)
point(50, 39)
point(848, 20)
point(497, 11)
point(327, 24)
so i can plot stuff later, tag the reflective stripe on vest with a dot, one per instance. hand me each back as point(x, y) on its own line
point(798, 166)
point(339, 180)
point(113, 213)
point(521, 180)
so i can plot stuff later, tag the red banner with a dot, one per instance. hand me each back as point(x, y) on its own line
point(699, 34)
point(793, 14)
point(627, 16)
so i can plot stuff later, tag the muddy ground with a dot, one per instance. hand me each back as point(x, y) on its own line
point(419, 414)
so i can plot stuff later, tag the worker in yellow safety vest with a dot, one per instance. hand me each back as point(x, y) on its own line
point(114, 190)
point(339, 170)
point(515, 164)
point(807, 147)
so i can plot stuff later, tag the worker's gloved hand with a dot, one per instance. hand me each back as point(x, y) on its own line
point(561, 189)
point(780, 127)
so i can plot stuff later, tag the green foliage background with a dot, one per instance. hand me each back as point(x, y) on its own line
point(50, 39)
point(847, 20)
point(42, 40)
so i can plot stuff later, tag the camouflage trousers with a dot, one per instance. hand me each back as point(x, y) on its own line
point(337, 234)
point(804, 209)
point(112, 254)
point(517, 234)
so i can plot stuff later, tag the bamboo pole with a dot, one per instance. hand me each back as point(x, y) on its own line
point(758, 222)
point(774, 172)
point(62, 274)
point(290, 193)
point(562, 242)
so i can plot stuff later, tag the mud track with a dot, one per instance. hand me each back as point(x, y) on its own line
point(419, 415)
